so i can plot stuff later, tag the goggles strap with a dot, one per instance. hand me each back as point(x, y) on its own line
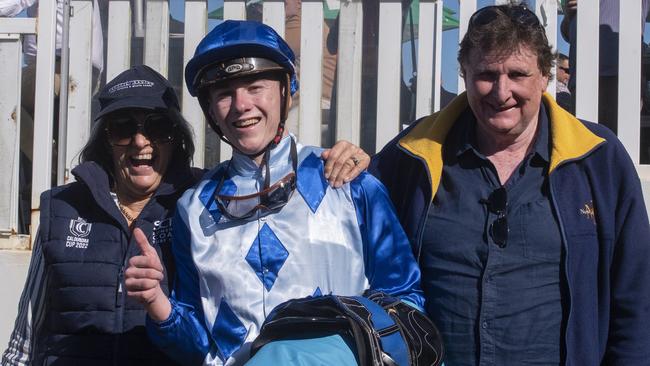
point(293, 153)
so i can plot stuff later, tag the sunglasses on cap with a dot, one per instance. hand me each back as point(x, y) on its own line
point(518, 14)
point(270, 199)
point(157, 127)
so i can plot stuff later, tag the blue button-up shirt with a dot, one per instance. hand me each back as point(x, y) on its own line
point(495, 305)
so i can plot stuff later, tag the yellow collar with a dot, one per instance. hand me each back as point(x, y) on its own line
point(570, 139)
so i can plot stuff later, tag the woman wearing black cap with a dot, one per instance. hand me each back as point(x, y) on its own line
point(134, 167)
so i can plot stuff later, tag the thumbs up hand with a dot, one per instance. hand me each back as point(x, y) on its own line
point(142, 279)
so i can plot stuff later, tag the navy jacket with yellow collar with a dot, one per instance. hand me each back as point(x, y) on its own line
point(596, 195)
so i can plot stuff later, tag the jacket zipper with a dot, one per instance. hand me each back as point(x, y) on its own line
point(119, 303)
point(423, 220)
point(565, 245)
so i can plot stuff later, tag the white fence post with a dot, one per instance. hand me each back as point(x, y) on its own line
point(118, 56)
point(429, 57)
point(546, 11)
point(467, 8)
point(196, 25)
point(348, 101)
point(629, 74)
point(273, 15)
point(311, 68)
point(587, 62)
point(43, 108)
point(389, 71)
point(156, 38)
point(10, 70)
point(80, 86)
point(236, 10)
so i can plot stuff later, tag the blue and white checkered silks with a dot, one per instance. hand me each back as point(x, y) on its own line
point(231, 274)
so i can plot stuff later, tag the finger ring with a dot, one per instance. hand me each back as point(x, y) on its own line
point(354, 160)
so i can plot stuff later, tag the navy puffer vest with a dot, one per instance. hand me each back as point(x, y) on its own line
point(88, 318)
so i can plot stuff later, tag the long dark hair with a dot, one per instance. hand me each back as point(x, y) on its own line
point(98, 149)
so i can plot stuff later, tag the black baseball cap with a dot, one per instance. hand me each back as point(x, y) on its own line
point(138, 87)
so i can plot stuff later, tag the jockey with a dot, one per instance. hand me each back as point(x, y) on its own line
point(264, 227)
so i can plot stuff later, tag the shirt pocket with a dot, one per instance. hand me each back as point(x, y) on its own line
point(541, 232)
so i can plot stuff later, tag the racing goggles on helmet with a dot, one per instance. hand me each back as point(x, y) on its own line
point(271, 198)
point(235, 68)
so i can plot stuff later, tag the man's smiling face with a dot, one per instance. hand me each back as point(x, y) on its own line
point(504, 90)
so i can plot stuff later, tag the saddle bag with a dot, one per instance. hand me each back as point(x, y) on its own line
point(386, 331)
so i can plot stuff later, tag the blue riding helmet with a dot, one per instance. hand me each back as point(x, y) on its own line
point(239, 48)
point(231, 46)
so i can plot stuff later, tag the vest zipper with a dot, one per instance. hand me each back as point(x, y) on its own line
point(119, 295)
point(119, 304)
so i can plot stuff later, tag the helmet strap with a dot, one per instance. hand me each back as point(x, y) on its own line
point(284, 110)
point(293, 154)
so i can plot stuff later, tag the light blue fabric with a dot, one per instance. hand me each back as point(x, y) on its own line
point(328, 350)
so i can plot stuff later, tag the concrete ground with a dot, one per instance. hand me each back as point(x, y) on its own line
point(13, 269)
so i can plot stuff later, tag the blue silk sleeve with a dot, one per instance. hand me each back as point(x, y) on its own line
point(183, 335)
point(389, 263)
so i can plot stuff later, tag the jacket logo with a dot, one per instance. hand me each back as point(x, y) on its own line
point(588, 211)
point(162, 231)
point(79, 230)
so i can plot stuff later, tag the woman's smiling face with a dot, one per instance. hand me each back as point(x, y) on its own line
point(139, 165)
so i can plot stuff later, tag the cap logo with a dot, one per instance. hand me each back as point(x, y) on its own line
point(130, 84)
point(234, 68)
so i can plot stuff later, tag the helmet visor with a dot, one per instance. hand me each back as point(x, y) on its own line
point(235, 68)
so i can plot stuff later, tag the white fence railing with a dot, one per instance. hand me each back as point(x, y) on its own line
point(349, 73)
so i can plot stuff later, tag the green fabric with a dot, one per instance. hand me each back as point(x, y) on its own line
point(449, 21)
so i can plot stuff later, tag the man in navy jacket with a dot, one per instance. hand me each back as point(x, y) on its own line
point(529, 225)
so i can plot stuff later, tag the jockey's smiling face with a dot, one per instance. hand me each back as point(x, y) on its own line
point(248, 111)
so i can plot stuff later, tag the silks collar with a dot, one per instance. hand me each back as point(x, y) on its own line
point(570, 139)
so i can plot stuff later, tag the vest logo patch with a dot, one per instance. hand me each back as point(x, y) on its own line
point(79, 229)
point(588, 211)
point(162, 231)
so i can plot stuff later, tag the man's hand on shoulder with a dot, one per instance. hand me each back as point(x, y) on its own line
point(344, 162)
